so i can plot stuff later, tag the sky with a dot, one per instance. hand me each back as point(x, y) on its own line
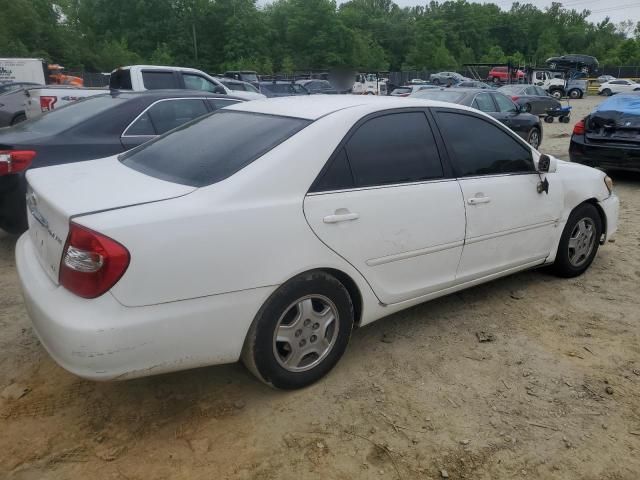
point(617, 10)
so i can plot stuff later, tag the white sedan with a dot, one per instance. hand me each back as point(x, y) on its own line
point(618, 86)
point(269, 230)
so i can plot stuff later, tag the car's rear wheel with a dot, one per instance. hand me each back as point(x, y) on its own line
point(534, 137)
point(579, 242)
point(436, 81)
point(301, 332)
point(557, 94)
point(527, 107)
point(606, 92)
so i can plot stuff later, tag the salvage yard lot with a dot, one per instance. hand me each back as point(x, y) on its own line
point(552, 391)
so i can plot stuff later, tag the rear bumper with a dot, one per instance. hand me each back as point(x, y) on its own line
point(607, 157)
point(101, 339)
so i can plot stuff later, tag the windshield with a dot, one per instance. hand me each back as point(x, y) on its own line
point(70, 115)
point(450, 96)
point(211, 148)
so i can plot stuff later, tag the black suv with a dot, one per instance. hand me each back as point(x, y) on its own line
point(582, 63)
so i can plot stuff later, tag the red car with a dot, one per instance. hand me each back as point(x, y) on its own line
point(500, 74)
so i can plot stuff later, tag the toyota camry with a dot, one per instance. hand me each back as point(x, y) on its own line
point(267, 231)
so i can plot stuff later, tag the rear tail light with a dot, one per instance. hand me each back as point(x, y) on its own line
point(578, 129)
point(91, 262)
point(515, 98)
point(47, 103)
point(15, 161)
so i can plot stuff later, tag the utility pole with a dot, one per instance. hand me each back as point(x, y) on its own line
point(195, 40)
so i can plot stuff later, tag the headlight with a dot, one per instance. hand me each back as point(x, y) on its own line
point(609, 183)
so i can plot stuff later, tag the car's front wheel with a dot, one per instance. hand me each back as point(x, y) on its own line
point(534, 137)
point(436, 81)
point(301, 332)
point(579, 242)
point(606, 92)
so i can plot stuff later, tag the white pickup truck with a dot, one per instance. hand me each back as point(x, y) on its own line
point(134, 77)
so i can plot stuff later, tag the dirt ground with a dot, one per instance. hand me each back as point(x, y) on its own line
point(555, 395)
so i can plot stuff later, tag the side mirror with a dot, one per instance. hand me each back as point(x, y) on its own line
point(220, 90)
point(547, 164)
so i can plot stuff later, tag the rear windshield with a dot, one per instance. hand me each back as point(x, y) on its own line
point(211, 148)
point(450, 96)
point(120, 80)
point(70, 115)
point(279, 87)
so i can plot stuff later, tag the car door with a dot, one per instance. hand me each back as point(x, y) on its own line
point(160, 117)
point(509, 224)
point(387, 204)
point(510, 115)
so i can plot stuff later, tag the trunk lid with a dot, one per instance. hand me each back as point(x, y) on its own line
point(57, 194)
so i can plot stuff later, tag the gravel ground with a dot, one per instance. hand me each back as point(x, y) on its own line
point(555, 395)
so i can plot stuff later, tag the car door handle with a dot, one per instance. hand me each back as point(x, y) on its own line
point(478, 200)
point(340, 217)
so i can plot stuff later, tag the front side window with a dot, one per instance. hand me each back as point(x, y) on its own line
point(484, 103)
point(505, 105)
point(481, 148)
point(170, 114)
point(154, 80)
point(211, 148)
point(394, 148)
point(196, 82)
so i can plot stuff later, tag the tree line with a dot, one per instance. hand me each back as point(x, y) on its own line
point(293, 35)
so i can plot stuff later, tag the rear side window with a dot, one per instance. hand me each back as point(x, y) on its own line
point(212, 148)
point(196, 82)
point(158, 80)
point(395, 148)
point(170, 114)
point(481, 148)
point(141, 127)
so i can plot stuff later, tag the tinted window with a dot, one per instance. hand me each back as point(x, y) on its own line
point(505, 105)
point(211, 148)
point(169, 114)
point(70, 115)
point(217, 103)
point(121, 80)
point(196, 82)
point(394, 148)
point(158, 80)
point(481, 148)
point(142, 126)
point(336, 175)
point(484, 103)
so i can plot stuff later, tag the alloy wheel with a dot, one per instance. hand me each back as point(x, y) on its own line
point(306, 333)
point(582, 242)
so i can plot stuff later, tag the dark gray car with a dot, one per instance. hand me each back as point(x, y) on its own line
point(496, 104)
point(12, 102)
point(531, 98)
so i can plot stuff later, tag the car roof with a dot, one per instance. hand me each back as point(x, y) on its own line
point(313, 107)
point(168, 93)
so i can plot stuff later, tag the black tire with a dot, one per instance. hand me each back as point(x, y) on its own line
point(436, 81)
point(565, 119)
point(606, 92)
point(18, 119)
point(574, 93)
point(548, 119)
point(557, 94)
point(534, 138)
point(527, 107)
point(563, 265)
point(262, 354)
